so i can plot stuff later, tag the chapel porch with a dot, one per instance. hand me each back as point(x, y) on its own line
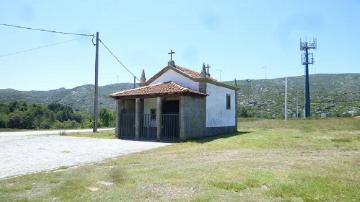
point(162, 112)
point(149, 119)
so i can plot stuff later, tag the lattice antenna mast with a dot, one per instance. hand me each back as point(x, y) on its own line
point(307, 58)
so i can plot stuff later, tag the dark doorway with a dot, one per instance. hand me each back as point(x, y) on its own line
point(170, 107)
point(170, 120)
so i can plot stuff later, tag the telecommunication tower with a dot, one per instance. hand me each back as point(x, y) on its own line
point(307, 58)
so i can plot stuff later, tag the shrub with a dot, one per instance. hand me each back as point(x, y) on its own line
point(3, 121)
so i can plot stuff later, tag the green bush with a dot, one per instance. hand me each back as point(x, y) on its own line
point(3, 121)
point(107, 118)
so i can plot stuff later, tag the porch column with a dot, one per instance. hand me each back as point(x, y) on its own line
point(158, 117)
point(137, 118)
point(117, 118)
point(119, 107)
point(182, 121)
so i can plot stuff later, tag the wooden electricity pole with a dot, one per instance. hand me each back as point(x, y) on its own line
point(96, 97)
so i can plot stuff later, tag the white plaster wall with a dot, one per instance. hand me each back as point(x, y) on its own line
point(216, 113)
point(171, 75)
point(150, 103)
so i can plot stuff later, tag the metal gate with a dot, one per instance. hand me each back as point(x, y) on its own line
point(149, 127)
point(127, 126)
point(170, 127)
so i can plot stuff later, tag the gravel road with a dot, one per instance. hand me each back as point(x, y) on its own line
point(23, 152)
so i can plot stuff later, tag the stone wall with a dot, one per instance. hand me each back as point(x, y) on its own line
point(192, 117)
point(202, 87)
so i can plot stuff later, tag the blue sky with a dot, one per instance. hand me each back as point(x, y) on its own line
point(238, 38)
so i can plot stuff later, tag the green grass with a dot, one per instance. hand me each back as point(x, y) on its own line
point(305, 160)
point(100, 134)
point(11, 129)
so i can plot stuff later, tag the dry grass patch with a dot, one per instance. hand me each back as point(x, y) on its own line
point(100, 134)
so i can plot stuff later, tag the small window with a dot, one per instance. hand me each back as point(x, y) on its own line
point(152, 114)
point(228, 103)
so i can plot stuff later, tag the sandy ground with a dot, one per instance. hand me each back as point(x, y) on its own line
point(24, 153)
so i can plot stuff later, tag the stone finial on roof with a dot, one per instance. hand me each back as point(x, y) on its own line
point(171, 61)
point(207, 70)
point(203, 71)
point(142, 78)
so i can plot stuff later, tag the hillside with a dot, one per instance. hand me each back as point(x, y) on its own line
point(333, 94)
point(80, 98)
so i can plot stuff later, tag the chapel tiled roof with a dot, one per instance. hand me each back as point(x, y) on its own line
point(188, 72)
point(161, 89)
point(196, 76)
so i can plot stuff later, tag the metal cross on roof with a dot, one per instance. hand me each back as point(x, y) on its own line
point(171, 53)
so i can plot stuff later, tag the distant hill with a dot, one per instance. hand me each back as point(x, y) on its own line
point(80, 98)
point(331, 94)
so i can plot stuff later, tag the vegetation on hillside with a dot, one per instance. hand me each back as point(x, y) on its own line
point(80, 98)
point(332, 95)
point(22, 115)
point(268, 160)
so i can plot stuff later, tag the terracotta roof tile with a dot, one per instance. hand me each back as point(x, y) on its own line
point(167, 88)
point(184, 71)
point(189, 72)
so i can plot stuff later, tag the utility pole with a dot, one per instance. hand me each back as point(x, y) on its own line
point(297, 106)
point(96, 97)
point(264, 68)
point(306, 59)
point(134, 81)
point(286, 107)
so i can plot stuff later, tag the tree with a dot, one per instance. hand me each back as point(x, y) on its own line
point(106, 117)
point(3, 120)
point(28, 116)
point(19, 119)
point(243, 112)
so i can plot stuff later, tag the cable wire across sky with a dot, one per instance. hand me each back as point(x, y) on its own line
point(46, 30)
point(117, 59)
point(38, 47)
point(54, 44)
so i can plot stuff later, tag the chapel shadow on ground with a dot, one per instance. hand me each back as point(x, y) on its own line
point(217, 137)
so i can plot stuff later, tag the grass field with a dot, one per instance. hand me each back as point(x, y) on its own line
point(306, 160)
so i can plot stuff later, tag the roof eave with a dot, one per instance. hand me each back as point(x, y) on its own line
point(158, 95)
point(157, 75)
point(207, 80)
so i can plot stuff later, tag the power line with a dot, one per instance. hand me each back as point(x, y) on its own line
point(46, 30)
point(37, 48)
point(117, 59)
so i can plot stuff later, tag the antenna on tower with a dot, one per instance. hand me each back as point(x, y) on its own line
point(307, 58)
